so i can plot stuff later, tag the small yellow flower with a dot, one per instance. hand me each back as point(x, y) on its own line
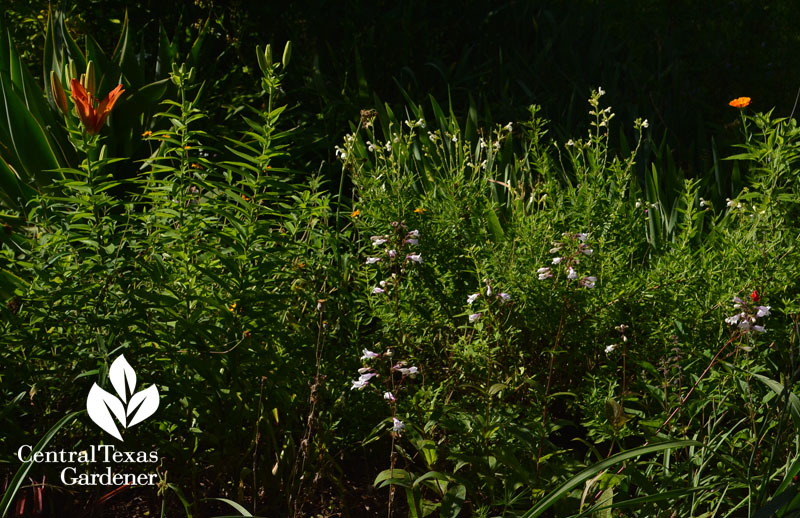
point(233, 307)
point(147, 133)
point(419, 210)
point(245, 198)
point(187, 147)
point(740, 102)
point(196, 166)
point(355, 213)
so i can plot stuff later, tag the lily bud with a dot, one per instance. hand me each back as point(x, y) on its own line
point(59, 96)
point(72, 70)
point(262, 59)
point(87, 80)
point(287, 54)
point(268, 54)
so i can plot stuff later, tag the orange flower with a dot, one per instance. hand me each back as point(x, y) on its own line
point(740, 102)
point(419, 210)
point(93, 117)
point(147, 133)
point(355, 213)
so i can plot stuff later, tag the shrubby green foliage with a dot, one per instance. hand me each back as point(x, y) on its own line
point(570, 371)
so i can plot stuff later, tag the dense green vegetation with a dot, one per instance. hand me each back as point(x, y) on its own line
point(381, 270)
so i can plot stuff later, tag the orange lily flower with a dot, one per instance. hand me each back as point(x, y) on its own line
point(93, 117)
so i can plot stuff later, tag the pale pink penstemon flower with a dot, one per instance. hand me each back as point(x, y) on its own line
point(568, 257)
point(397, 425)
point(368, 373)
point(398, 253)
point(394, 243)
point(569, 252)
point(503, 297)
point(748, 314)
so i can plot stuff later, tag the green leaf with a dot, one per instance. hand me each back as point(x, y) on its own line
point(639, 501)
point(453, 501)
point(167, 53)
point(13, 192)
point(239, 508)
point(8, 282)
point(495, 227)
point(398, 477)
point(779, 389)
point(28, 138)
point(125, 59)
point(63, 39)
point(22, 472)
point(591, 471)
point(193, 59)
point(435, 475)
point(107, 73)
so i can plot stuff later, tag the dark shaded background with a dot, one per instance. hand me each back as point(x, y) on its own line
point(675, 63)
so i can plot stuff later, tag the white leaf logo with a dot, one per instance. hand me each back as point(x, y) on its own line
point(101, 405)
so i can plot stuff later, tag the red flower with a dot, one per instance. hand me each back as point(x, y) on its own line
point(93, 117)
point(754, 296)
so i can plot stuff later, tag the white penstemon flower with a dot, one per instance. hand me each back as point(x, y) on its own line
point(397, 425)
point(747, 316)
point(367, 354)
point(575, 246)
